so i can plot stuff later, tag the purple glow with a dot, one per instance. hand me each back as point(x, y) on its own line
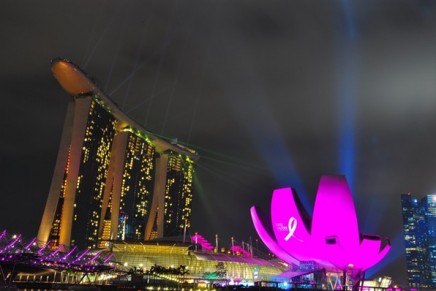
point(69, 253)
point(81, 256)
point(241, 250)
point(331, 239)
point(268, 240)
point(95, 257)
point(43, 248)
point(198, 239)
point(13, 249)
point(11, 244)
point(27, 247)
point(289, 228)
point(52, 254)
point(3, 234)
point(108, 258)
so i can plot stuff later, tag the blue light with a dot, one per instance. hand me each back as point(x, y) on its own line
point(396, 252)
point(375, 210)
point(276, 156)
point(349, 19)
point(260, 124)
point(347, 95)
point(347, 108)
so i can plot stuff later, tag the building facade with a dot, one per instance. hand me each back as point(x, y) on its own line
point(419, 223)
point(113, 180)
point(199, 263)
point(326, 245)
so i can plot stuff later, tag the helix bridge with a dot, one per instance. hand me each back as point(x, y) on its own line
point(18, 255)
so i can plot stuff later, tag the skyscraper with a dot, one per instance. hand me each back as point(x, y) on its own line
point(113, 180)
point(419, 222)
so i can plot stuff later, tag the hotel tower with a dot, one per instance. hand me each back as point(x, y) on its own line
point(419, 223)
point(113, 180)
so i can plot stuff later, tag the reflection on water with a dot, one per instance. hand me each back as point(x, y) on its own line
point(69, 289)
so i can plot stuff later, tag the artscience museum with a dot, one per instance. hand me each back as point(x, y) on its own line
point(328, 242)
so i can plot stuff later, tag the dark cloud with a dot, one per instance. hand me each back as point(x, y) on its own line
point(244, 82)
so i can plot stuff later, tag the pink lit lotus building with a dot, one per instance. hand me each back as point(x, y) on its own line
point(331, 237)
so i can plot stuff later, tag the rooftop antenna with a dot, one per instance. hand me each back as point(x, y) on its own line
point(216, 243)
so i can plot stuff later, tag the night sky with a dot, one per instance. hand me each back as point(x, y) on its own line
point(270, 93)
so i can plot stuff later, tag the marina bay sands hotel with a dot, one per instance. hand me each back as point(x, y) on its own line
point(113, 180)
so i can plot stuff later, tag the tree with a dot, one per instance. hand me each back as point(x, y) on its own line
point(221, 270)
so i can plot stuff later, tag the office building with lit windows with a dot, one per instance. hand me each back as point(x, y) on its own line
point(113, 180)
point(419, 222)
